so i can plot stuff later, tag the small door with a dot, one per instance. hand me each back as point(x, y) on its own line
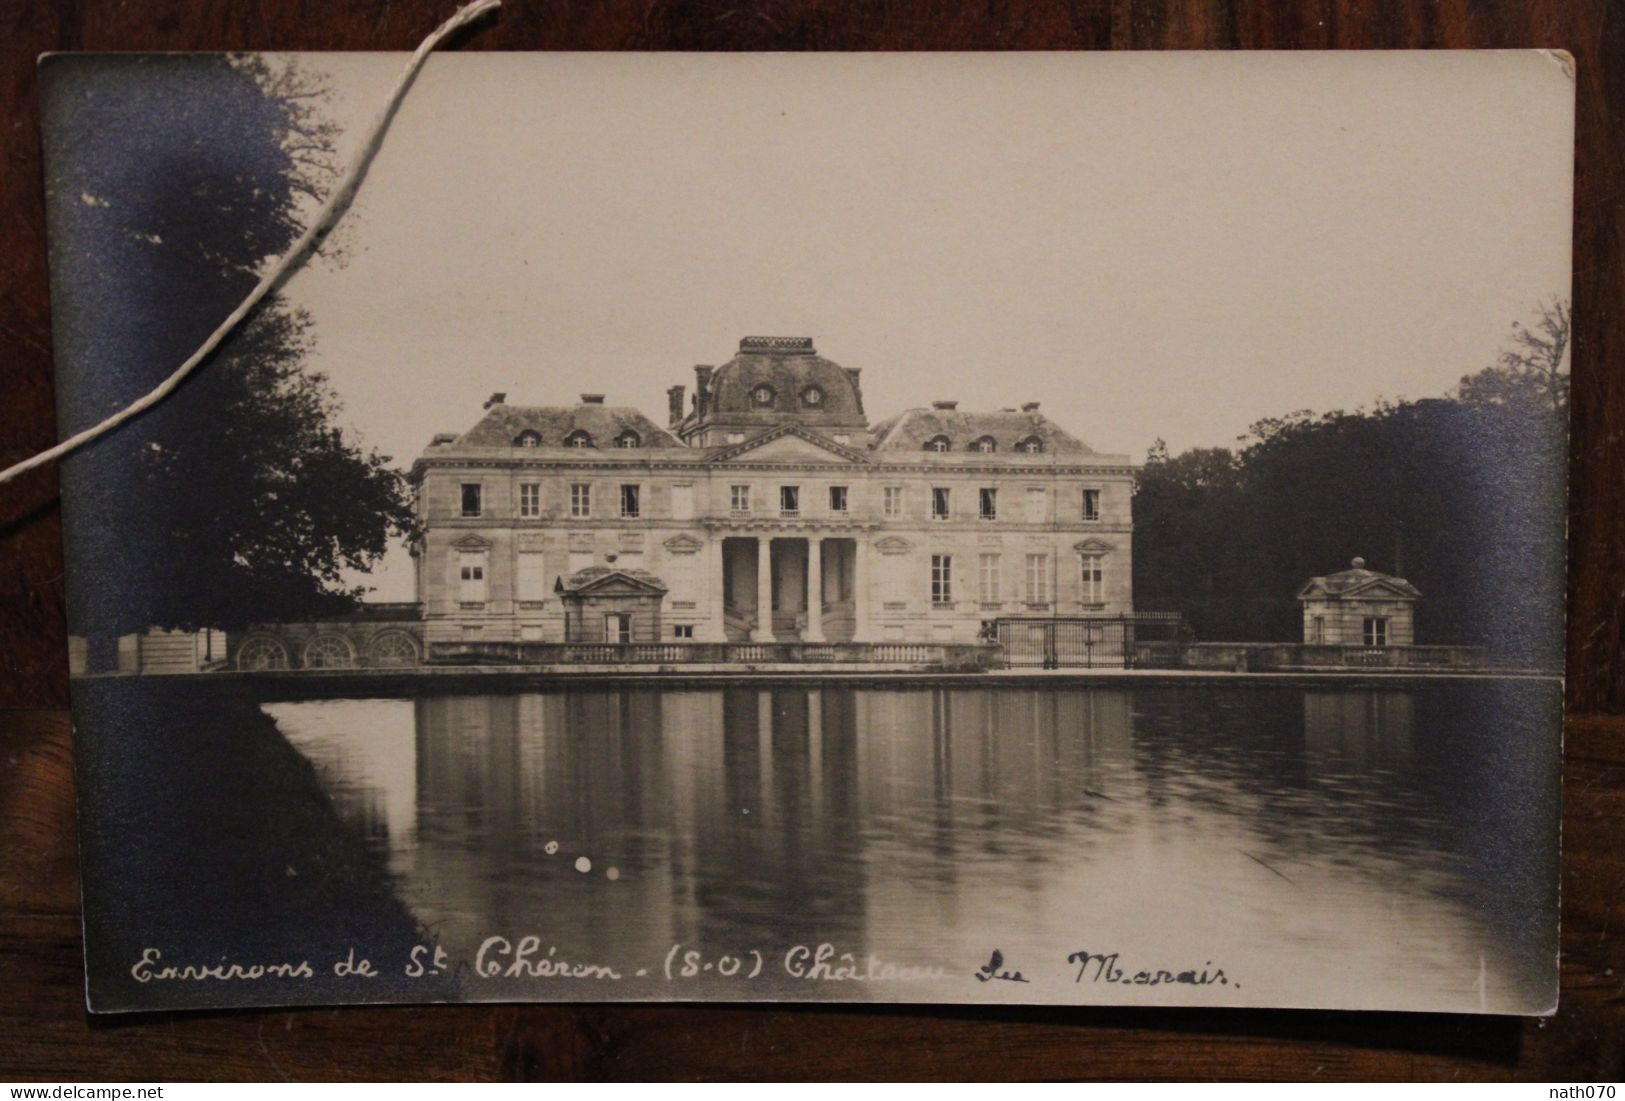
point(618, 627)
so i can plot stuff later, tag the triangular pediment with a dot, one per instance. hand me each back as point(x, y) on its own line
point(893, 544)
point(788, 443)
point(472, 543)
point(1093, 546)
point(683, 544)
point(1377, 589)
point(612, 584)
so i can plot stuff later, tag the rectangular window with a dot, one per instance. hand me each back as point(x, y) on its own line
point(471, 577)
point(1317, 630)
point(532, 579)
point(683, 630)
point(617, 627)
point(739, 500)
point(471, 498)
point(942, 579)
point(988, 579)
point(790, 500)
point(990, 504)
point(837, 498)
point(1038, 579)
point(1376, 631)
point(580, 499)
point(1037, 505)
point(1091, 504)
point(893, 501)
point(1093, 591)
point(939, 503)
point(530, 500)
point(682, 502)
point(629, 501)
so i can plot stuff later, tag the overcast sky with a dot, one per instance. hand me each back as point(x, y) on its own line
point(1151, 245)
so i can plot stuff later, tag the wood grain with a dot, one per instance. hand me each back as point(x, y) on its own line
point(44, 1032)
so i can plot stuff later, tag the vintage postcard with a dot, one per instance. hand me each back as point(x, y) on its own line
point(996, 528)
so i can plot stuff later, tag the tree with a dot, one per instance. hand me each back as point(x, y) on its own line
point(1461, 495)
point(240, 498)
point(1533, 365)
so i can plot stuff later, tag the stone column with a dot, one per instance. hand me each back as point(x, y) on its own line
point(861, 631)
point(763, 631)
point(815, 589)
point(715, 629)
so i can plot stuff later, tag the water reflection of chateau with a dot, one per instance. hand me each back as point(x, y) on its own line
point(915, 823)
point(742, 815)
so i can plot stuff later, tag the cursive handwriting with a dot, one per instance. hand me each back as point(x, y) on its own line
point(500, 958)
point(150, 967)
point(990, 970)
point(823, 963)
point(1106, 970)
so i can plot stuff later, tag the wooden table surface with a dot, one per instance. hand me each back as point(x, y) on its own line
point(44, 1031)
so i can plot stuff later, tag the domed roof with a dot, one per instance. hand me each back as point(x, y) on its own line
point(774, 378)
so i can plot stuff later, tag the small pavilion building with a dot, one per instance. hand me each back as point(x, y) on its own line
point(1359, 607)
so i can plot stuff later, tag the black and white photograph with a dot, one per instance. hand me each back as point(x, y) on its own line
point(1027, 528)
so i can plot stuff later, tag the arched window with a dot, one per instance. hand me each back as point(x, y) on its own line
point(262, 652)
point(1032, 445)
point(938, 443)
point(761, 395)
point(812, 397)
point(628, 438)
point(528, 438)
point(578, 438)
point(329, 652)
point(986, 445)
point(391, 649)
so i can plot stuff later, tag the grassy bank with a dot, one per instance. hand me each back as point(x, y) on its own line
point(206, 836)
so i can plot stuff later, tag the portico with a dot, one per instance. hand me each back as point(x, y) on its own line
point(792, 587)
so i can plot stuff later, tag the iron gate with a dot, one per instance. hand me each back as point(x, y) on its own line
point(1089, 642)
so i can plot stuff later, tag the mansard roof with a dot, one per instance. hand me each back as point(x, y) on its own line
point(790, 368)
point(502, 425)
point(912, 428)
point(1357, 581)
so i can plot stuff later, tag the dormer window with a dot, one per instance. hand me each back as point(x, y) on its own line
point(578, 438)
point(628, 439)
point(938, 443)
point(986, 445)
point(812, 397)
point(528, 438)
point(762, 396)
point(1032, 445)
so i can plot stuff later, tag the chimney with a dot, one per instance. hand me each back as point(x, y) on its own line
point(1029, 407)
point(592, 399)
point(674, 403)
point(852, 374)
point(494, 399)
point(702, 388)
point(945, 406)
point(443, 438)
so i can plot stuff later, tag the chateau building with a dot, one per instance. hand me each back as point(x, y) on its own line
point(768, 508)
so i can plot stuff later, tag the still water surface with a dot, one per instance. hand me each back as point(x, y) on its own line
point(1339, 847)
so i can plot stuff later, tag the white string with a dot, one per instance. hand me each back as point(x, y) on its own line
point(324, 217)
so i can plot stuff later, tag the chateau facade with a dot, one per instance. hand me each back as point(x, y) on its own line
point(768, 508)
